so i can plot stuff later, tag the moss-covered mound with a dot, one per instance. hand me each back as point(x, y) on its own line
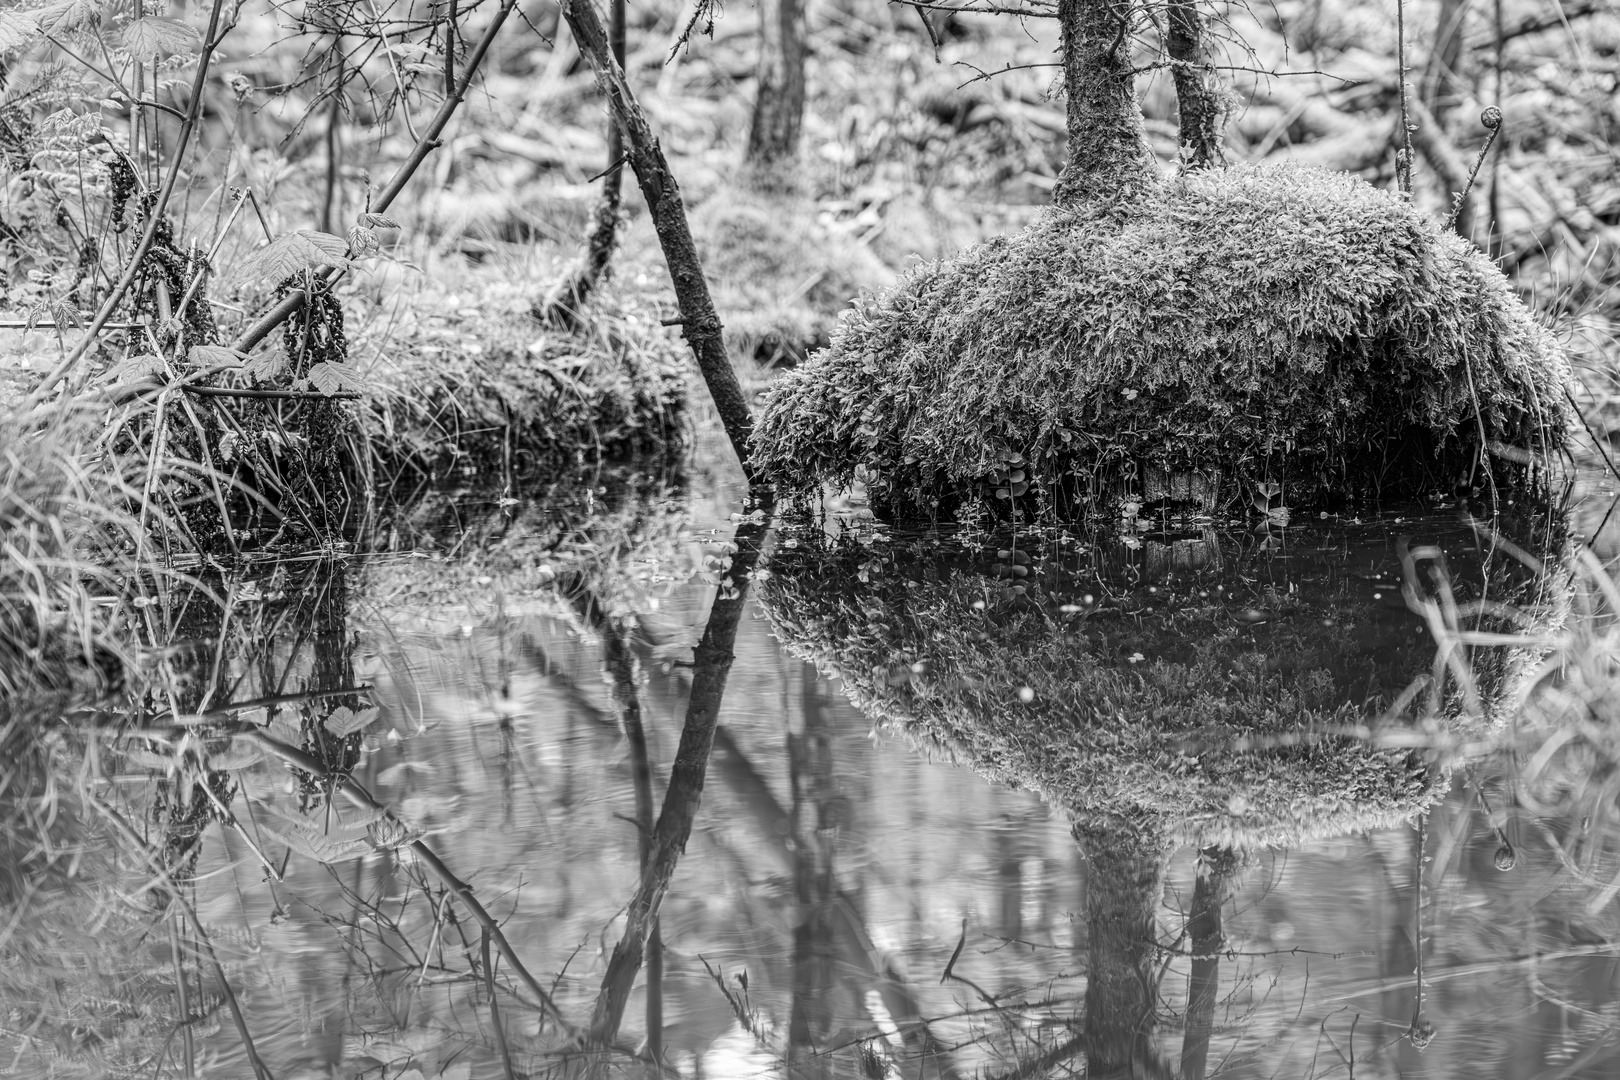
point(482, 389)
point(1280, 325)
point(1197, 684)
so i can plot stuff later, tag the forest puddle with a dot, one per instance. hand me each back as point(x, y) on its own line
point(851, 901)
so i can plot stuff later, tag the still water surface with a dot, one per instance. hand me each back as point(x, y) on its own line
point(1197, 859)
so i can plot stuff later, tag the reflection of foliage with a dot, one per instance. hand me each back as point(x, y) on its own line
point(1282, 325)
point(1218, 700)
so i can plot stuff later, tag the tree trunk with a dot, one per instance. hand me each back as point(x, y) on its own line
point(1124, 882)
point(773, 136)
point(699, 321)
point(567, 300)
point(1109, 159)
point(1198, 101)
point(1215, 872)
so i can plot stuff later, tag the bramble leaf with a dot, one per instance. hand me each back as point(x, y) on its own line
point(17, 28)
point(149, 37)
point(330, 379)
point(135, 367)
point(378, 221)
point(67, 15)
point(265, 367)
point(291, 252)
point(214, 356)
point(344, 721)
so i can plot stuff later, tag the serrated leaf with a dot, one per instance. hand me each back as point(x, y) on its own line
point(306, 840)
point(378, 221)
point(330, 379)
point(214, 356)
point(363, 242)
point(135, 367)
point(344, 721)
point(239, 755)
point(67, 313)
point(17, 28)
point(67, 15)
point(148, 38)
point(292, 252)
point(265, 367)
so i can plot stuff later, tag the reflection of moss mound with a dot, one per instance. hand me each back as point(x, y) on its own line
point(1184, 712)
point(1258, 324)
point(489, 387)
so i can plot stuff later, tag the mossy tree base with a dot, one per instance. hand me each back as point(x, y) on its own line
point(1257, 325)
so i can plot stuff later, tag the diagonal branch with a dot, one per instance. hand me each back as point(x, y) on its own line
point(699, 322)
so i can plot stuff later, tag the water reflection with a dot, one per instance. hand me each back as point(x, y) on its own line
point(354, 756)
point(1231, 691)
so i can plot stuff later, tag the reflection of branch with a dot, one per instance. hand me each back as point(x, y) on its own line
point(494, 1009)
point(950, 972)
point(358, 795)
point(156, 862)
point(621, 665)
point(711, 664)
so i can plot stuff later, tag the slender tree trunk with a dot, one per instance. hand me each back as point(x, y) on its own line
point(699, 322)
point(567, 300)
point(1109, 160)
point(1198, 101)
point(1124, 884)
point(773, 137)
point(1216, 869)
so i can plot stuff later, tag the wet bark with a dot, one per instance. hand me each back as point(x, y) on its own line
point(1198, 101)
point(1124, 883)
point(699, 321)
point(773, 137)
point(711, 664)
point(1109, 160)
point(1216, 869)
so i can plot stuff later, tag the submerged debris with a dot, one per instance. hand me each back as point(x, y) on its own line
point(1255, 326)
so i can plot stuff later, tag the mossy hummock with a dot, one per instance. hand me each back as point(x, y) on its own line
point(1251, 326)
point(492, 389)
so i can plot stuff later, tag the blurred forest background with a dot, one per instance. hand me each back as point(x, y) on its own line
point(925, 127)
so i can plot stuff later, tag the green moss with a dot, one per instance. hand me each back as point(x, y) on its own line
point(1259, 324)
